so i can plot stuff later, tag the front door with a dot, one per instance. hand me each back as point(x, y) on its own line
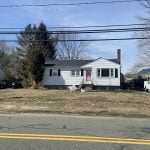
point(88, 75)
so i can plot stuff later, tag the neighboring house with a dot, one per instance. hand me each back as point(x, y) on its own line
point(145, 72)
point(100, 72)
point(1, 74)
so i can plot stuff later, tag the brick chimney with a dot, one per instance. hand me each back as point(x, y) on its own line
point(119, 55)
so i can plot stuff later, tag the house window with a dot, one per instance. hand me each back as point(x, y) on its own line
point(50, 72)
point(82, 72)
point(55, 73)
point(104, 72)
point(112, 72)
point(73, 72)
point(98, 72)
point(59, 72)
point(77, 72)
point(116, 73)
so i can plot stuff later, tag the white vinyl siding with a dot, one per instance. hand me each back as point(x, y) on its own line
point(102, 64)
point(67, 78)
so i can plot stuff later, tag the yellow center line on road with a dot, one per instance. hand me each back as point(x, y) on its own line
point(94, 139)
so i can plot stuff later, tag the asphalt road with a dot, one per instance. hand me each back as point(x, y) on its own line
point(55, 132)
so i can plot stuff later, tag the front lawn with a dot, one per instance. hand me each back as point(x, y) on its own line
point(65, 102)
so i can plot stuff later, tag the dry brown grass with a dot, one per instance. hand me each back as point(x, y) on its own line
point(63, 101)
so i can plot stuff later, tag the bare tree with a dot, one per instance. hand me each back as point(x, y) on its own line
point(143, 45)
point(146, 3)
point(69, 50)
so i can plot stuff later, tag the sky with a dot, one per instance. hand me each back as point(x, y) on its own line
point(83, 15)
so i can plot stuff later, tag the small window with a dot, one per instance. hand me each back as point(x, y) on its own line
point(116, 73)
point(55, 73)
point(112, 72)
point(73, 73)
point(59, 72)
point(104, 72)
point(50, 72)
point(98, 72)
point(77, 72)
point(82, 72)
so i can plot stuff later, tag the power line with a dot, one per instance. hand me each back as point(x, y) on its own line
point(64, 27)
point(83, 40)
point(72, 4)
point(110, 30)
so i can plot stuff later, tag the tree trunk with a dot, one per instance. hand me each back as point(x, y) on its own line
point(34, 85)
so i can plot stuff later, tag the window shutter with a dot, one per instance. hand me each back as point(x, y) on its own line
point(82, 72)
point(50, 72)
point(59, 72)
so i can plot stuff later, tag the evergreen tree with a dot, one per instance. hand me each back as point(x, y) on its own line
point(35, 64)
point(25, 40)
point(46, 43)
point(35, 44)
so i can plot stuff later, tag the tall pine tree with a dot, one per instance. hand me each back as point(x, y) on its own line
point(46, 43)
point(35, 65)
point(35, 45)
point(25, 41)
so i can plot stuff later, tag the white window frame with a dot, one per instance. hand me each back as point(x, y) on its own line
point(73, 75)
point(112, 75)
point(75, 71)
point(99, 72)
point(79, 71)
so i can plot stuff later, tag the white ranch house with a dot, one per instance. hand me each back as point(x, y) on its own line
point(100, 72)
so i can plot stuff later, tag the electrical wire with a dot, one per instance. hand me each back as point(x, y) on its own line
point(65, 27)
point(72, 4)
point(83, 40)
point(110, 30)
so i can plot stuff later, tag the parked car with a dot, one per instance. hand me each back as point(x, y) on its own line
point(147, 86)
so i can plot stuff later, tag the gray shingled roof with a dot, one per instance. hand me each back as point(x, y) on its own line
point(114, 60)
point(144, 71)
point(68, 62)
point(76, 63)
